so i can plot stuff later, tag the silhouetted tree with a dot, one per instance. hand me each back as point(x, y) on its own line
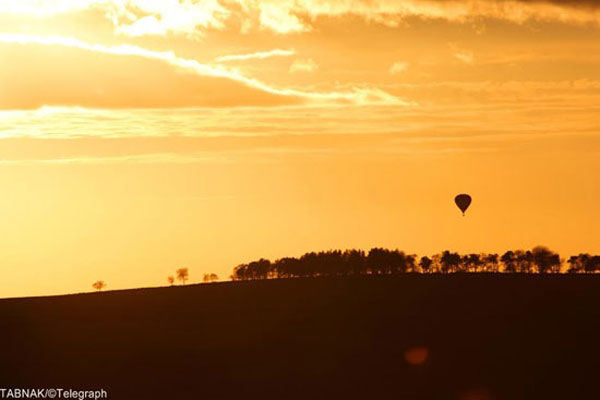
point(524, 261)
point(471, 262)
point(399, 262)
point(286, 267)
point(309, 265)
point(182, 275)
point(592, 264)
point(99, 285)
point(355, 262)
point(380, 261)
point(450, 262)
point(209, 278)
point(425, 263)
point(171, 280)
point(411, 263)
point(259, 269)
point(491, 263)
point(383, 261)
point(240, 273)
point(509, 259)
point(436, 263)
point(545, 260)
point(575, 265)
point(376, 261)
point(584, 263)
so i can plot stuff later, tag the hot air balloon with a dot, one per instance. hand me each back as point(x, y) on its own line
point(463, 201)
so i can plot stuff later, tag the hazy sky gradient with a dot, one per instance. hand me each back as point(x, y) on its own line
point(137, 137)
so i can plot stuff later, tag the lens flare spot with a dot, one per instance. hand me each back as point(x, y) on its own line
point(476, 394)
point(416, 355)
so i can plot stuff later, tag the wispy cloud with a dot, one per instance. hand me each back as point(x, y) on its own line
point(157, 158)
point(463, 55)
point(398, 67)
point(356, 95)
point(304, 65)
point(261, 55)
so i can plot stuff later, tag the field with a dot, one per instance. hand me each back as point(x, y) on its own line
point(458, 336)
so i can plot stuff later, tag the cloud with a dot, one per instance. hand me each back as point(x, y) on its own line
point(192, 18)
point(134, 17)
point(462, 55)
point(304, 65)
point(261, 55)
point(44, 8)
point(148, 25)
point(158, 158)
point(398, 67)
point(133, 86)
point(140, 18)
point(280, 19)
point(299, 15)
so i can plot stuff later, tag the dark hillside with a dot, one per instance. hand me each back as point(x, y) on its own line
point(487, 337)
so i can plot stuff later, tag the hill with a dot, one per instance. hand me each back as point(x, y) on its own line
point(458, 336)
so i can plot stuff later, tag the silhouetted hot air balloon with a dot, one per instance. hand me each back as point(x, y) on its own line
point(463, 201)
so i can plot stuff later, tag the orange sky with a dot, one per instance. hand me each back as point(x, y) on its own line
point(137, 137)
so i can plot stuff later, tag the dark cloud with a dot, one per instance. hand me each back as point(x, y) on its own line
point(567, 3)
point(570, 3)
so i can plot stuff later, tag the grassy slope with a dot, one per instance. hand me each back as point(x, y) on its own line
point(500, 337)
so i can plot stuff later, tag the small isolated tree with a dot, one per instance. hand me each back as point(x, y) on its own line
point(210, 278)
point(171, 280)
point(99, 285)
point(182, 275)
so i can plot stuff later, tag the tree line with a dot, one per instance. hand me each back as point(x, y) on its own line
point(379, 261)
point(182, 274)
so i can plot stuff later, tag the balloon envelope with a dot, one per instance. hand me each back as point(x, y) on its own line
point(463, 201)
